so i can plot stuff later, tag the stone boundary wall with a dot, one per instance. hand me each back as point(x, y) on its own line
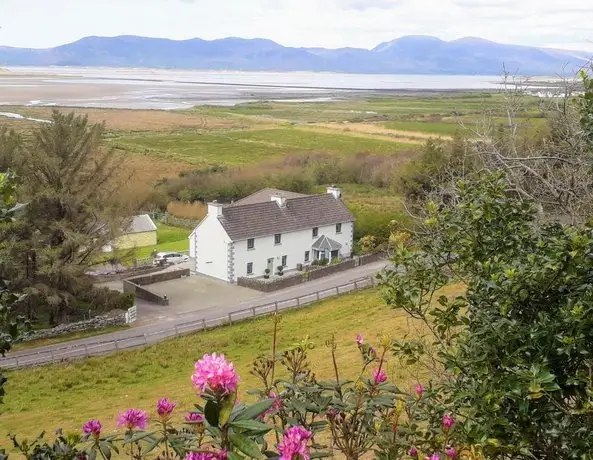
point(125, 274)
point(136, 285)
point(113, 318)
point(312, 273)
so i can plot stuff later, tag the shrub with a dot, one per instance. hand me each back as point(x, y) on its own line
point(514, 351)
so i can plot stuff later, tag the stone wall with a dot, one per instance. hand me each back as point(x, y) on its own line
point(136, 285)
point(125, 274)
point(289, 280)
point(113, 318)
point(370, 258)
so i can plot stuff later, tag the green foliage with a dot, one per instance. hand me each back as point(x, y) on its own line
point(515, 351)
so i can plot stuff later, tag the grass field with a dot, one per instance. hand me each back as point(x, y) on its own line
point(66, 395)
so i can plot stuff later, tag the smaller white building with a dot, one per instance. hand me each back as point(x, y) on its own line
point(271, 228)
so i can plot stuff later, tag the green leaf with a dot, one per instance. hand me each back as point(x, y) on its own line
point(211, 412)
point(140, 435)
point(105, 450)
point(255, 410)
point(251, 425)
point(153, 444)
point(226, 408)
point(234, 456)
point(245, 445)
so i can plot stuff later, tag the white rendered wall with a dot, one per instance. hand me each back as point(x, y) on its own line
point(211, 248)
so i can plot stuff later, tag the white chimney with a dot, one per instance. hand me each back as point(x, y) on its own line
point(335, 191)
point(280, 200)
point(214, 208)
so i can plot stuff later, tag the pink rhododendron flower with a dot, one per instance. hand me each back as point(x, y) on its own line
point(419, 391)
point(379, 376)
point(359, 339)
point(450, 452)
point(222, 455)
point(92, 427)
point(214, 373)
point(133, 418)
point(435, 457)
point(164, 407)
point(448, 422)
point(194, 417)
point(294, 444)
point(413, 452)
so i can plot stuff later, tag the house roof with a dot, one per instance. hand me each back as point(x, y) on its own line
point(141, 224)
point(326, 244)
point(265, 195)
point(268, 218)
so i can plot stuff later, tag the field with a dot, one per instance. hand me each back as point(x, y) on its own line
point(66, 395)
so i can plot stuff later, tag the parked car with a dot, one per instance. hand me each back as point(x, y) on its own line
point(166, 258)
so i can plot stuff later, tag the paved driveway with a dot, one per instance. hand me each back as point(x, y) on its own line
point(197, 292)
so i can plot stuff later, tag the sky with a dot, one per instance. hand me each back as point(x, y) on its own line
point(325, 23)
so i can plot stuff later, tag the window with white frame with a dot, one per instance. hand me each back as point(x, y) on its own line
point(250, 268)
point(251, 243)
point(338, 228)
point(278, 238)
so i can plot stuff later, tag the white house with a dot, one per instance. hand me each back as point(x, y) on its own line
point(271, 228)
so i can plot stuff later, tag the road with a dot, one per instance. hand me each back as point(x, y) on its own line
point(154, 331)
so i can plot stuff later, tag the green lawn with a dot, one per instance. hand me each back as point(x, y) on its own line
point(66, 338)
point(248, 146)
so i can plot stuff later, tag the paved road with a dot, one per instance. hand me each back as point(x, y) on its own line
point(169, 321)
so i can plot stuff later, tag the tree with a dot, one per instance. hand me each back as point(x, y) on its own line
point(512, 356)
point(69, 182)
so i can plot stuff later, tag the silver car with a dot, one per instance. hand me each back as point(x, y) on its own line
point(169, 258)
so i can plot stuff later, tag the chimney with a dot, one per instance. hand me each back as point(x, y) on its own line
point(215, 208)
point(280, 200)
point(335, 191)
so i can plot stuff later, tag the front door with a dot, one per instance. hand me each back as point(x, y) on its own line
point(271, 265)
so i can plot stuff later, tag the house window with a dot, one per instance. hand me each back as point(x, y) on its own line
point(250, 268)
point(315, 232)
point(306, 256)
point(284, 261)
point(338, 228)
point(251, 243)
point(277, 238)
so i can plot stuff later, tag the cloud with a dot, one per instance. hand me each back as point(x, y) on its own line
point(328, 23)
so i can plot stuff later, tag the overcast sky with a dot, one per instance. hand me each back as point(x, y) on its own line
point(327, 23)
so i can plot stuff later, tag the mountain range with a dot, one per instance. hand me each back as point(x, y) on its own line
point(417, 54)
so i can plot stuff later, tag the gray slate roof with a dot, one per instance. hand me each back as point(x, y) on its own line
point(141, 224)
point(268, 218)
point(326, 244)
point(265, 195)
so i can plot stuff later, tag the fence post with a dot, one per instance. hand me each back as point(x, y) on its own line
point(203, 323)
point(337, 292)
point(276, 306)
point(86, 350)
point(298, 301)
point(116, 347)
point(317, 294)
point(253, 310)
point(145, 340)
point(230, 319)
point(355, 285)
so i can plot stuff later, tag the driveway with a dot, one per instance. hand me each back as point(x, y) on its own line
point(198, 292)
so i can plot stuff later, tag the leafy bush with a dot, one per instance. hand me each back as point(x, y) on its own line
point(515, 352)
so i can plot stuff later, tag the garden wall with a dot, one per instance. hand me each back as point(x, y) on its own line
point(312, 273)
point(113, 318)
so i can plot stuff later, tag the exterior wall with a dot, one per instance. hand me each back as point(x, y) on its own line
point(293, 246)
point(211, 248)
point(136, 240)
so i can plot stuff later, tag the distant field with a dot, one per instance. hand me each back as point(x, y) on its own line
point(247, 146)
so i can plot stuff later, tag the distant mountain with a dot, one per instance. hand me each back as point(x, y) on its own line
point(405, 55)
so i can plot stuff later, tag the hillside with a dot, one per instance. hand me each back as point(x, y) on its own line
point(405, 55)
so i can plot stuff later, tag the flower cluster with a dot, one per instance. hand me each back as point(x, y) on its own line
point(294, 444)
point(448, 422)
point(133, 418)
point(92, 427)
point(164, 407)
point(206, 455)
point(194, 417)
point(379, 376)
point(276, 405)
point(214, 373)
